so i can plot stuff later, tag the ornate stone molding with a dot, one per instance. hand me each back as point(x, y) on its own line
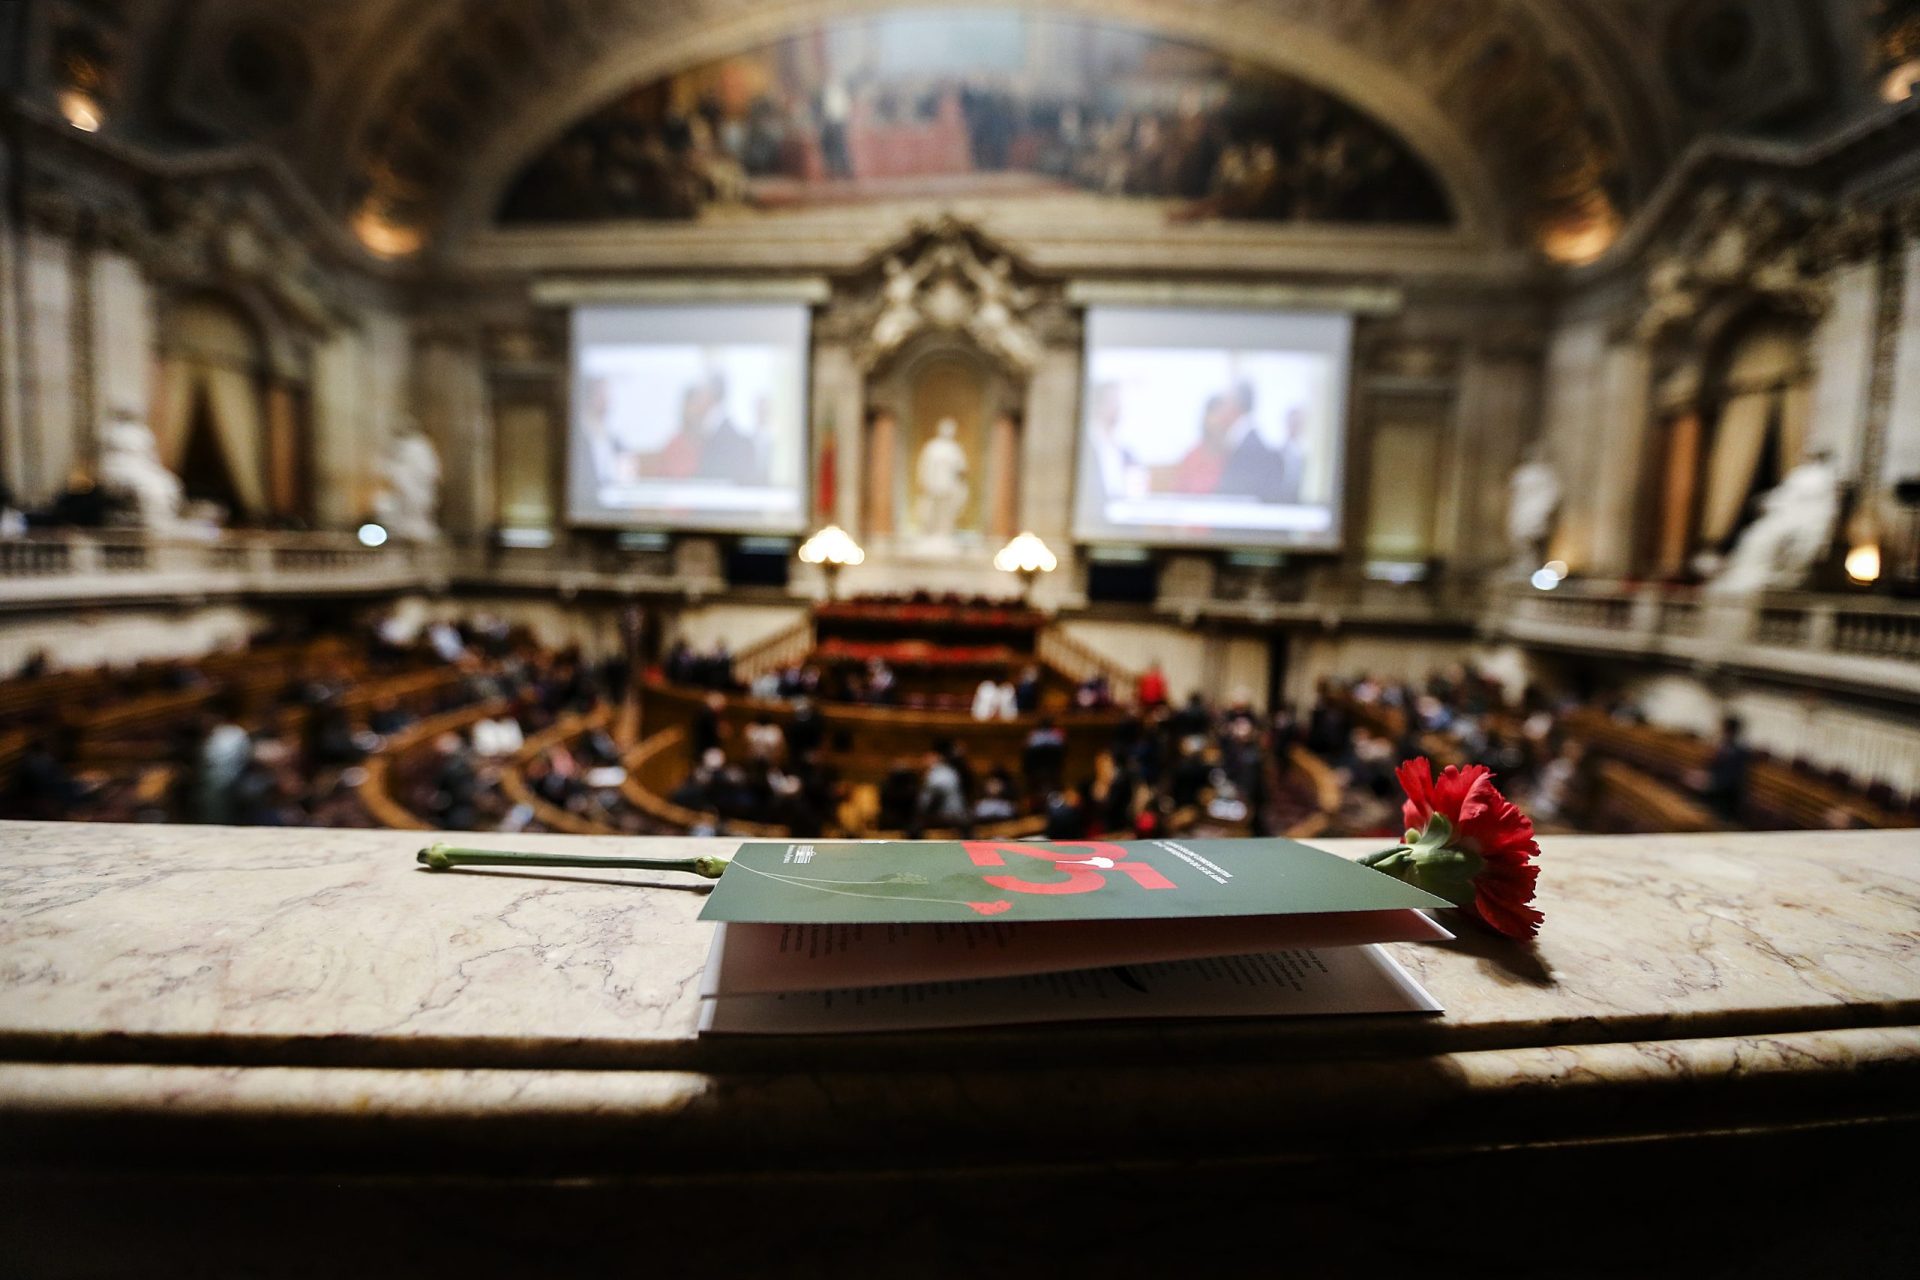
point(1738, 248)
point(948, 277)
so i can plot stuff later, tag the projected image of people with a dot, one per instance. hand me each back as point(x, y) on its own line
point(707, 434)
point(1233, 458)
point(1222, 444)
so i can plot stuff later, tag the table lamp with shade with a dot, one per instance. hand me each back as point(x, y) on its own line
point(833, 549)
point(1027, 556)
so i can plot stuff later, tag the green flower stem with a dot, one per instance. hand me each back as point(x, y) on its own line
point(441, 857)
point(1375, 859)
point(1427, 861)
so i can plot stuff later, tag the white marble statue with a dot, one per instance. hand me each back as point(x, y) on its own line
point(1793, 530)
point(410, 495)
point(1533, 499)
point(131, 470)
point(940, 476)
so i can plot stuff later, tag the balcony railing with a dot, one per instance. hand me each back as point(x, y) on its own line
point(1868, 644)
point(72, 566)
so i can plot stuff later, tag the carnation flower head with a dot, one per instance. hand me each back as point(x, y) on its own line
point(1467, 843)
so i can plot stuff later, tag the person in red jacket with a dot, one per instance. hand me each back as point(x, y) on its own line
point(1152, 690)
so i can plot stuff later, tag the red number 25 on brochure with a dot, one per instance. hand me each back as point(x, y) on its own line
point(1085, 873)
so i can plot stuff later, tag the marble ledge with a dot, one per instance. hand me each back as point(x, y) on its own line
point(319, 982)
point(660, 1122)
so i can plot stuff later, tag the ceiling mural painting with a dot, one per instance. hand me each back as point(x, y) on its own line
point(964, 103)
point(425, 124)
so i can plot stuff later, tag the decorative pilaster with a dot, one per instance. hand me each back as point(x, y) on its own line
point(1046, 462)
point(1625, 387)
point(1002, 513)
point(47, 388)
point(1900, 448)
point(13, 423)
point(837, 408)
point(450, 401)
point(1874, 476)
point(1495, 416)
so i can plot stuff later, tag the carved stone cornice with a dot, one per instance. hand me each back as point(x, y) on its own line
point(948, 277)
point(1761, 244)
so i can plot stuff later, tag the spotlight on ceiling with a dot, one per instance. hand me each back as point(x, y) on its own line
point(1544, 579)
point(372, 535)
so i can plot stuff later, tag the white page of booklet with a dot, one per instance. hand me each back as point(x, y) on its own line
point(760, 958)
point(1336, 980)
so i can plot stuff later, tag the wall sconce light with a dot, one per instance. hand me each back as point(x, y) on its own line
point(1863, 564)
point(82, 110)
point(833, 549)
point(1027, 556)
point(382, 233)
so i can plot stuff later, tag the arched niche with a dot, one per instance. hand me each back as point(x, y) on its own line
point(937, 376)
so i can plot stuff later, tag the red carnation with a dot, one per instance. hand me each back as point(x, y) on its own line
point(1467, 843)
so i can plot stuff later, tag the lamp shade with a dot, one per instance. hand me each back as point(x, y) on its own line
point(1026, 554)
point(831, 546)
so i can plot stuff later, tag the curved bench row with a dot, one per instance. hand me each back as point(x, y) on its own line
point(376, 791)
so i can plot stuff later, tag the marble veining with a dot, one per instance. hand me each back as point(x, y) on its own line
point(332, 948)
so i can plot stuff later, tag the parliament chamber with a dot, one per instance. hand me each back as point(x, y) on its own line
point(603, 429)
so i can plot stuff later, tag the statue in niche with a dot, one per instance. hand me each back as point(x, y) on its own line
point(411, 490)
point(995, 321)
point(1794, 529)
point(940, 475)
point(1533, 499)
point(132, 473)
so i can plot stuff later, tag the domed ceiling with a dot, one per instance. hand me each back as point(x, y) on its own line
point(1540, 123)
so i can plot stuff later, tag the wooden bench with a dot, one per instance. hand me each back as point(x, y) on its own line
point(1628, 800)
point(376, 790)
point(1326, 793)
point(881, 736)
point(1778, 794)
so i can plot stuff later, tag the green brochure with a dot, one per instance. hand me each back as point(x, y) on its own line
point(912, 882)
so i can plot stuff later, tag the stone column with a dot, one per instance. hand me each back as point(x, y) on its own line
point(1621, 468)
point(1843, 363)
point(1494, 417)
point(1901, 453)
point(358, 385)
point(1574, 433)
point(122, 338)
point(13, 421)
point(53, 437)
point(1047, 448)
point(450, 400)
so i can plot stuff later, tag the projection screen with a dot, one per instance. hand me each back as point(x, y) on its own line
point(689, 417)
point(1213, 427)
